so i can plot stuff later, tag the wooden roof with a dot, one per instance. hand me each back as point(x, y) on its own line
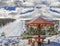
point(40, 21)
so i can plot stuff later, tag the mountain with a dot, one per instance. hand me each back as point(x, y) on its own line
point(44, 8)
point(26, 10)
point(5, 21)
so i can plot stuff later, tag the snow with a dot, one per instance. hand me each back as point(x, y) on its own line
point(15, 28)
point(27, 10)
point(55, 38)
point(42, 8)
point(7, 40)
point(22, 10)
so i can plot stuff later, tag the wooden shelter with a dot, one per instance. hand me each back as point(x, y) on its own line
point(39, 23)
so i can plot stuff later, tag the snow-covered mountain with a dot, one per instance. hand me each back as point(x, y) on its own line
point(33, 8)
point(27, 10)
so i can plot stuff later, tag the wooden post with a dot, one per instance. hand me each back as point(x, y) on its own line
point(39, 29)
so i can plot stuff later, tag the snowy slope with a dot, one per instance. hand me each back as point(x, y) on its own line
point(15, 28)
point(44, 6)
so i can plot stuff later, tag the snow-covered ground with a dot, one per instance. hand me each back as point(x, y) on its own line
point(55, 38)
